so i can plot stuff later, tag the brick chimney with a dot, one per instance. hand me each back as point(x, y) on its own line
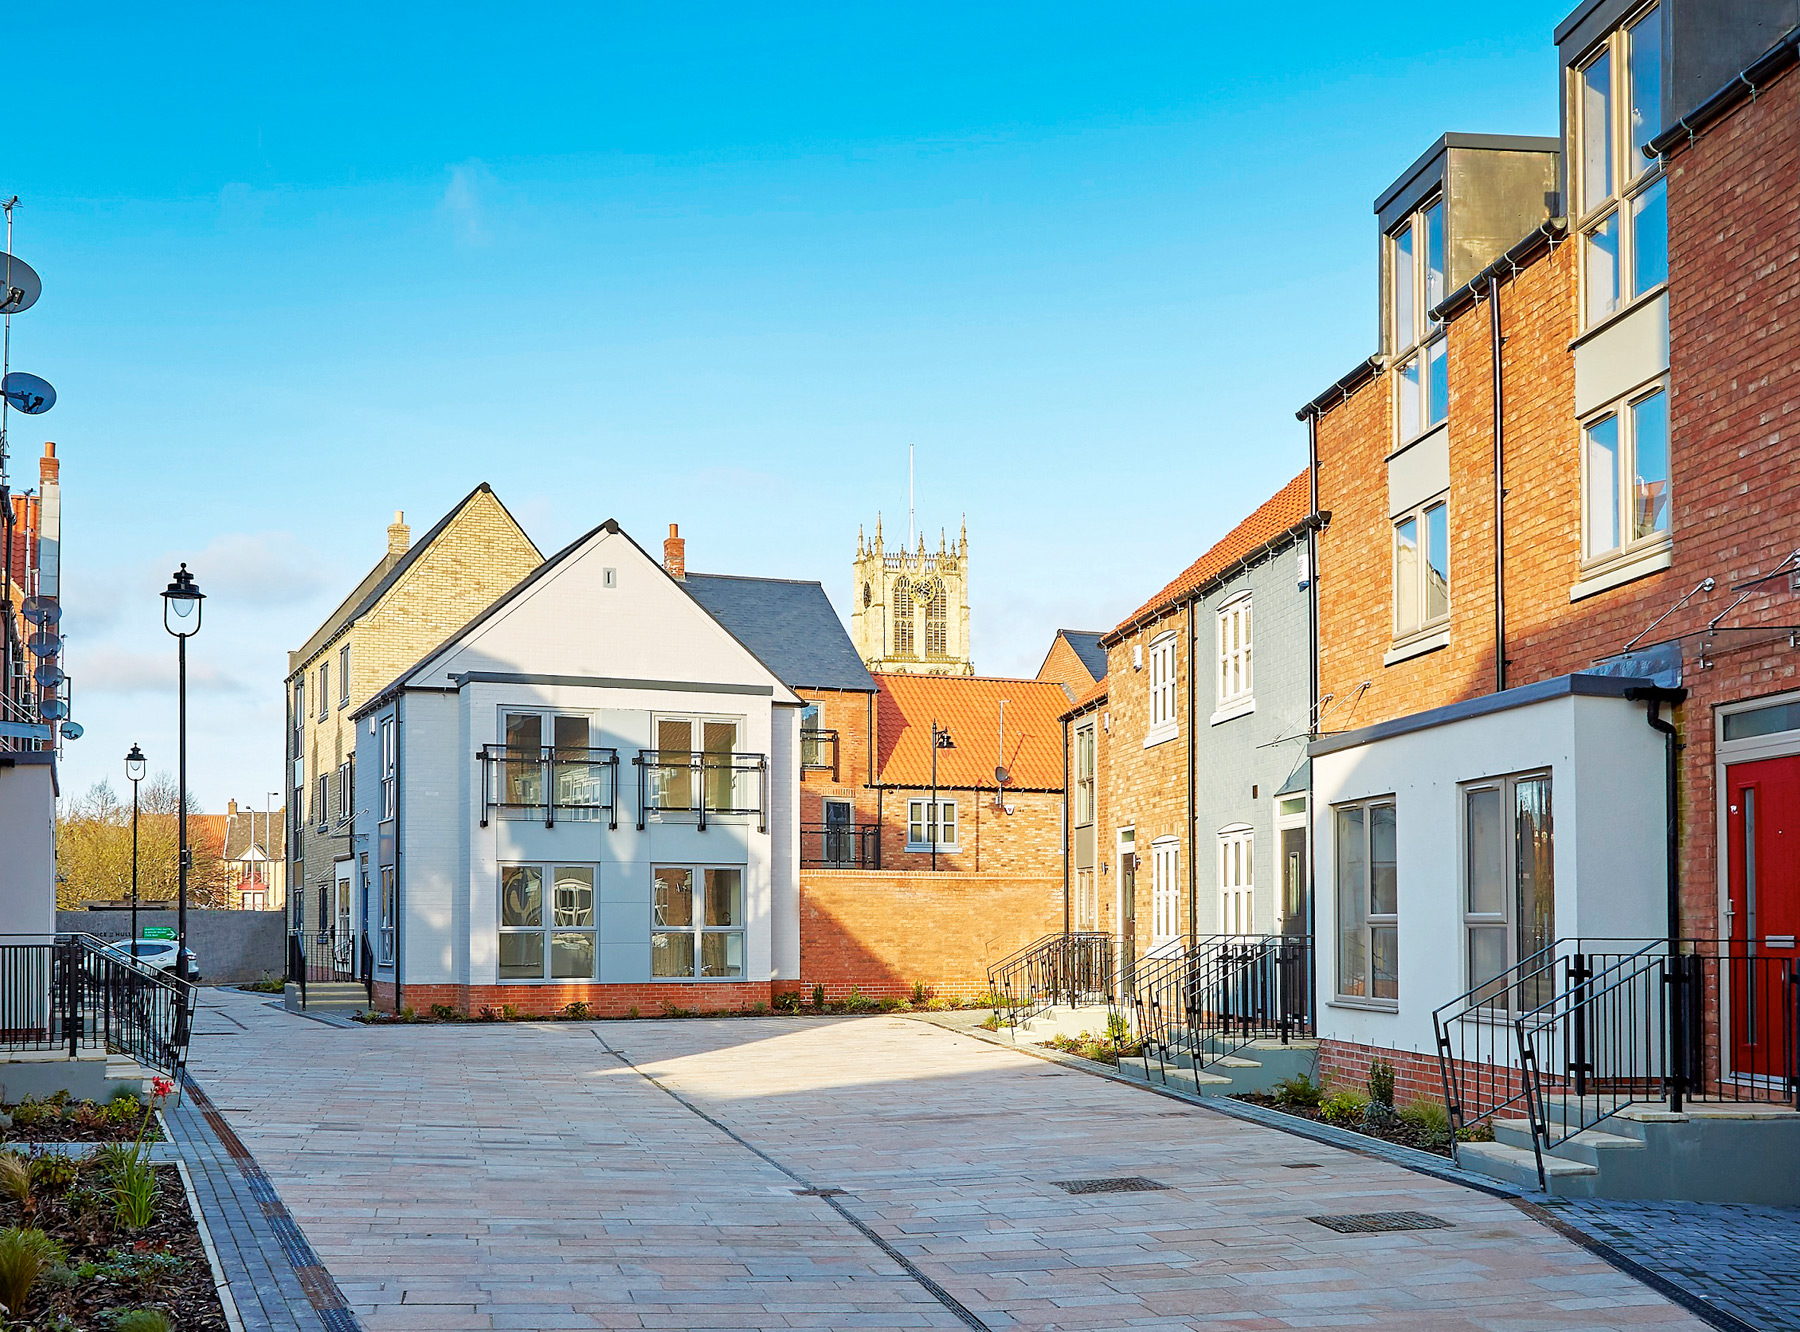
point(399, 534)
point(675, 553)
point(48, 466)
point(231, 809)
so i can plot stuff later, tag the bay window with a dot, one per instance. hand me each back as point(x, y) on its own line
point(697, 919)
point(1622, 195)
point(1368, 906)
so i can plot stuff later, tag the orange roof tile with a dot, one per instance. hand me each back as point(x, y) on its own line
point(1087, 698)
point(1284, 511)
point(969, 708)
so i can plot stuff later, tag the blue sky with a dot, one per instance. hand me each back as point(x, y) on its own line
point(718, 265)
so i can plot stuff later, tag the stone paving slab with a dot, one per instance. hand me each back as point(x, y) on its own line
point(644, 1175)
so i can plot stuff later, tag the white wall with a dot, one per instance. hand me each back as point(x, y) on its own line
point(27, 847)
point(1606, 767)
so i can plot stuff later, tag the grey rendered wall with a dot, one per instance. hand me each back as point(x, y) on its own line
point(1234, 756)
point(227, 945)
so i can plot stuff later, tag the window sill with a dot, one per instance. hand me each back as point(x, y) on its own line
point(1417, 645)
point(1623, 312)
point(1242, 707)
point(1617, 570)
point(1365, 1005)
point(1158, 735)
point(924, 848)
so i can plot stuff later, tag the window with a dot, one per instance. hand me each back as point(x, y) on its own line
point(902, 604)
point(923, 830)
point(1165, 891)
point(345, 792)
point(299, 714)
point(1625, 476)
point(1087, 901)
point(390, 792)
point(1368, 935)
point(1234, 653)
point(937, 621)
point(388, 913)
point(1419, 344)
point(1084, 776)
point(1421, 569)
point(818, 747)
point(697, 756)
point(324, 690)
point(550, 752)
point(344, 676)
point(1624, 210)
point(1236, 880)
point(1291, 865)
point(1162, 683)
point(1509, 893)
point(255, 901)
point(559, 933)
point(322, 806)
point(704, 938)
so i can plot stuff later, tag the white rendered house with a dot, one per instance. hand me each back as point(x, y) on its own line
point(588, 793)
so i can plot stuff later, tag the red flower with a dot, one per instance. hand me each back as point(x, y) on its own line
point(161, 1088)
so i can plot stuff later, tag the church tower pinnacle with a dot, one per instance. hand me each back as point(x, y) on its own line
point(910, 611)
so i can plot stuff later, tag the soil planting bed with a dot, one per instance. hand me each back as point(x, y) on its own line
point(58, 1119)
point(1395, 1130)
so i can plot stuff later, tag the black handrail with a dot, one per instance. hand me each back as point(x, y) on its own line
point(840, 846)
point(1071, 968)
point(329, 955)
point(70, 992)
point(552, 764)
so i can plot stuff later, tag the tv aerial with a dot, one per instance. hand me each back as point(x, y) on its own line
point(20, 285)
point(27, 393)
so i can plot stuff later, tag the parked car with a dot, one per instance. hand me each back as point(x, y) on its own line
point(156, 953)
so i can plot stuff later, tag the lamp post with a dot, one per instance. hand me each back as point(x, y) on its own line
point(134, 771)
point(940, 739)
point(181, 617)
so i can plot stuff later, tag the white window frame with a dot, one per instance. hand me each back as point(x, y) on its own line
point(345, 792)
point(1426, 624)
point(921, 827)
point(1418, 343)
point(698, 722)
point(1630, 549)
point(1165, 891)
point(299, 714)
point(323, 801)
point(324, 690)
point(344, 676)
point(1165, 721)
point(1621, 200)
point(699, 928)
point(1235, 684)
point(1087, 900)
point(390, 787)
point(1087, 802)
point(1372, 920)
point(1237, 880)
point(1505, 921)
point(551, 874)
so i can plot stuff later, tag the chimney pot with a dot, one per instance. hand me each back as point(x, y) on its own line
point(48, 466)
point(675, 553)
point(399, 534)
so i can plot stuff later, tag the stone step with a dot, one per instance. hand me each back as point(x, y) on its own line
point(1518, 1165)
point(1584, 1147)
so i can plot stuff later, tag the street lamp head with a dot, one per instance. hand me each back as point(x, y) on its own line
point(181, 604)
point(134, 765)
point(944, 741)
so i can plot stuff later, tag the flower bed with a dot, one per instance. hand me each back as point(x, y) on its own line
point(1389, 1127)
point(1097, 1048)
point(59, 1118)
point(855, 1004)
point(1423, 1125)
point(101, 1242)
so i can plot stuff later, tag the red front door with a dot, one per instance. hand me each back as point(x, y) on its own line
point(1763, 833)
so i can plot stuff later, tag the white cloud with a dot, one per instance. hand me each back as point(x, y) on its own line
point(111, 670)
point(261, 569)
point(462, 202)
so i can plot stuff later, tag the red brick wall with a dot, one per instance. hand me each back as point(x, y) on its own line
point(649, 1000)
point(1345, 1067)
point(882, 933)
point(989, 840)
point(849, 715)
point(1105, 835)
point(1146, 789)
point(1064, 665)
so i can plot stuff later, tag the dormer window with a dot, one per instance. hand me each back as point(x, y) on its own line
point(1623, 213)
point(1420, 347)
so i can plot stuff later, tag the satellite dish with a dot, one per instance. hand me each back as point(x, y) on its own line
point(1002, 776)
point(19, 285)
point(41, 610)
point(71, 730)
point(44, 644)
point(28, 393)
point(54, 709)
point(49, 676)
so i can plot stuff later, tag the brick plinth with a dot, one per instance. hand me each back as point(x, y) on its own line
point(645, 1000)
point(1345, 1066)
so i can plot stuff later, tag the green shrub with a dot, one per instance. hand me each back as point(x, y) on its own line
point(124, 1108)
point(990, 1023)
point(920, 995)
point(857, 1002)
point(143, 1320)
point(53, 1170)
point(788, 1002)
point(1429, 1118)
point(938, 1005)
point(1118, 1028)
point(443, 1012)
point(672, 1011)
point(31, 1112)
point(578, 1010)
point(1299, 1092)
point(1381, 1083)
point(1345, 1109)
point(134, 1194)
point(16, 1179)
point(892, 1004)
point(111, 1157)
point(818, 996)
point(25, 1255)
point(759, 1009)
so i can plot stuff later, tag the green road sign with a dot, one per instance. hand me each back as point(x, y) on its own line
point(159, 932)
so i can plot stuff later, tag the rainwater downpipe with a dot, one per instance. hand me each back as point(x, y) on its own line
point(1672, 833)
point(1312, 655)
point(1193, 860)
point(1068, 920)
point(1498, 342)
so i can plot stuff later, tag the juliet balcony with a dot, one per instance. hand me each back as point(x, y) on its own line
point(550, 782)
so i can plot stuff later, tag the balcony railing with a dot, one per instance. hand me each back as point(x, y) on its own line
point(841, 846)
point(532, 782)
point(819, 751)
point(682, 781)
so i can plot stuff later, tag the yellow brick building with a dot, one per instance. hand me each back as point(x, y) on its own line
point(414, 598)
point(911, 611)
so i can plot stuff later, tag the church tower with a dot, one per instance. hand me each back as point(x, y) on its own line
point(911, 612)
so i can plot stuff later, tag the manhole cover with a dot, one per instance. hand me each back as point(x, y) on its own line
point(818, 1193)
point(1123, 1184)
point(1299, 1165)
point(1377, 1223)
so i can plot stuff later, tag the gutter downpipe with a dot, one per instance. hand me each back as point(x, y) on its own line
point(1676, 975)
point(1068, 915)
point(1312, 660)
point(399, 878)
point(1498, 342)
point(1193, 839)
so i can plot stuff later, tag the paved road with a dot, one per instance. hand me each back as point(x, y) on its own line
point(645, 1175)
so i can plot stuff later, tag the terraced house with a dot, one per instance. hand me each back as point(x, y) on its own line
point(415, 594)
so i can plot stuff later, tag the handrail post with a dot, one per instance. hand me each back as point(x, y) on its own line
point(612, 792)
point(72, 996)
point(1675, 1030)
point(699, 766)
point(1577, 980)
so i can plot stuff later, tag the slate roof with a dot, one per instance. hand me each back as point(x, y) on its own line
point(252, 827)
point(388, 570)
point(789, 626)
point(1087, 646)
point(1282, 513)
point(968, 706)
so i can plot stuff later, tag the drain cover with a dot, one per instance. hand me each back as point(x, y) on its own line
point(1377, 1223)
point(818, 1193)
point(1299, 1165)
point(1122, 1184)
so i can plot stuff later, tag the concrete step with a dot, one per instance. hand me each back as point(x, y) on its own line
point(1518, 1166)
point(1585, 1147)
point(327, 996)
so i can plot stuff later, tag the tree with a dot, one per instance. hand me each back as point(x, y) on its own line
point(93, 848)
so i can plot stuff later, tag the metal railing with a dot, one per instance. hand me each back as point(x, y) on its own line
point(580, 784)
point(74, 993)
point(702, 783)
point(330, 955)
point(819, 749)
point(840, 846)
point(1208, 1000)
point(1072, 968)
